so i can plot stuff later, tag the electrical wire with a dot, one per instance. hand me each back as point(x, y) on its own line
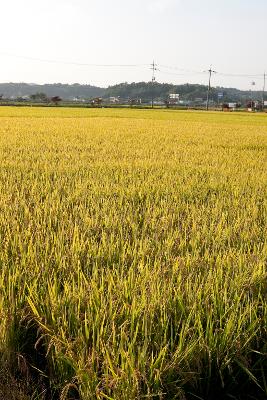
point(218, 73)
point(70, 62)
point(183, 71)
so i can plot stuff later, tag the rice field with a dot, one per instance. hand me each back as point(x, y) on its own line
point(133, 254)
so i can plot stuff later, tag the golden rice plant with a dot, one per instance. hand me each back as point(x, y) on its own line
point(133, 253)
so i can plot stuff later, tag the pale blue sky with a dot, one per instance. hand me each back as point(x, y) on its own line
point(189, 35)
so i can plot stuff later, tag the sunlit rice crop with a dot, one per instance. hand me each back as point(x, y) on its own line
point(133, 253)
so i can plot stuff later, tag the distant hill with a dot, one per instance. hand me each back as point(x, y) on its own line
point(64, 91)
point(187, 91)
point(141, 90)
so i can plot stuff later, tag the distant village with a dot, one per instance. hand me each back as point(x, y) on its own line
point(135, 94)
point(173, 100)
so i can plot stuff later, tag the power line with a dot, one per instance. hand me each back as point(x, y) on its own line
point(177, 74)
point(53, 61)
point(185, 71)
point(240, 75)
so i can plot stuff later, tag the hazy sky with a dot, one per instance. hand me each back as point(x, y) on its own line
point(188, 35)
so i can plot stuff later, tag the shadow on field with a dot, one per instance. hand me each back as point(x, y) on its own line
point(30, 369)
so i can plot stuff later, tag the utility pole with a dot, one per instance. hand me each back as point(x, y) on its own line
point(209, 87)
point(263, 90)
point(154, 69)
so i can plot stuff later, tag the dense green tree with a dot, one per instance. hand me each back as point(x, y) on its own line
point(39, 96)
